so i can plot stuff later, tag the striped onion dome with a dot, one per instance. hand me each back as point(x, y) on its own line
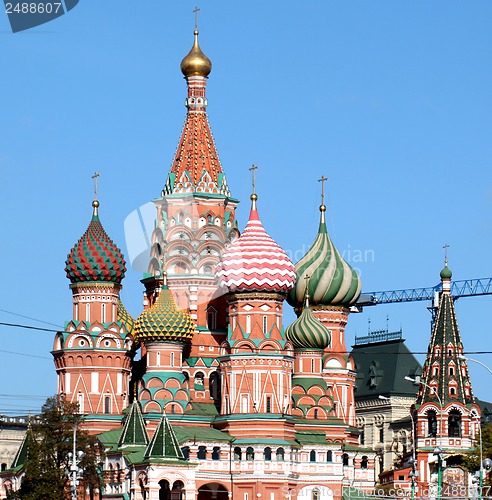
point(164, 321)
point(95, 257)
point(254, 262)
point(307, 332)
point(332, 281)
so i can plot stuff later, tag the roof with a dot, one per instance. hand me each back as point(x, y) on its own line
point(134, 432)
point(381, 369)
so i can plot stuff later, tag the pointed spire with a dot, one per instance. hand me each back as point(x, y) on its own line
point(446, 273)
point(23, 451)
point(444, 370)
point(134, 432)
point(164, 443)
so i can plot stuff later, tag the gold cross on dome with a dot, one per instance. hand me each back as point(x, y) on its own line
point(196, 11)
point(94, 177)
point(322, 180)
point(253, 174)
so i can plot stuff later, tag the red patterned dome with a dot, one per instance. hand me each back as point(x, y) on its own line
point(255, 263)
point(95, 257)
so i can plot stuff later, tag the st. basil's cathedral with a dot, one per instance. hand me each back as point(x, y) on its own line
point(207, 394)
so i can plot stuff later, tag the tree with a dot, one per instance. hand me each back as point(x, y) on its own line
point(49, 442)
point(472, 459)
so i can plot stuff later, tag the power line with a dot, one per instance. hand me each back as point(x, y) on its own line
point(29, 317)
point(25, 354)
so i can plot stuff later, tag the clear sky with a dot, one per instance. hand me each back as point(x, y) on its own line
point(391, 100)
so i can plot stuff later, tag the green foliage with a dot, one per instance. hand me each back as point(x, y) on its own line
point(49, 442)
point(472, 459)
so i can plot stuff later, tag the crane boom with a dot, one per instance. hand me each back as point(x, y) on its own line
point(464, 288)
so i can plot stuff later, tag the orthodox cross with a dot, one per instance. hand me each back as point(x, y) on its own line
point(322, 180)
point(197, 9)
point(306, 294)
point(94, 177)
point(446, 246)
point(253, 174)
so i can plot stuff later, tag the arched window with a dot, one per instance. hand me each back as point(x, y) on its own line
point(268, 404)
point(216, 453)
point(364, 462)
point(237, 453)
point(177, 492)
point(280, 454)
point(4, 467)
point(202, 453)
point(454, 424)
point(186, 452)
point(432, 423)
point(107, 404)
point(312, 456)
point(214, 383)
point(267, 454)
point(329, 456)
point(345, 460)
point(211, 315)
point(164, 489)
point(250, 453)
point(180, 218)
point(80, 401)
point(451, 371)
point(199, 381)
point(452, 391)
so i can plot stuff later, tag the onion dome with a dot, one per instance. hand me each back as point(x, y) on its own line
point(164, 321)
point(332, 280)
point(125, 317)
point(446, 273)
point(307, 332)
point(95, 257)
point(254, 262)
point(196, 63)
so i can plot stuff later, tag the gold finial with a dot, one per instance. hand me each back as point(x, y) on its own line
point(306, 295)
point(196, 11)
point(254, 196)
point(445, 246)
point(95, 203)
point(322, 180)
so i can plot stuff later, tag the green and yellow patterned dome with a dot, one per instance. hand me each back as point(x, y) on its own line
point(307, 332)
point(164, 321)
point(125, 317)
point(332, 280)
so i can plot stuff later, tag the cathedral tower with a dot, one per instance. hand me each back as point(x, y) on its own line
point(93, 355)
point(447, 417)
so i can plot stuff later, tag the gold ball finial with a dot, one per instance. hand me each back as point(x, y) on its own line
point(95, 204)
point(196, 63)
point(322, 208)
point(254, 197)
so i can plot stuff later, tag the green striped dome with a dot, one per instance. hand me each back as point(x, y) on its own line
point(307, 332)
point(164, 321)
point(332, 281)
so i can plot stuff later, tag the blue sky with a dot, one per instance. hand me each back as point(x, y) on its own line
point(391, 100)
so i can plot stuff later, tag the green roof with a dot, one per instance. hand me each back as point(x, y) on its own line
point(134, 432)
point(382, 367)
point(164, 443)
point(188, 433)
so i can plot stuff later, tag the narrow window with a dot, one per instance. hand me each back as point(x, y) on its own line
point(451, 371)
point(312, 456)
point(248, 324)
point(107, 404)
point(216, 453)
point(172, 359)
point(315, 414)
point(267, 454)
point(186, 452)
point(269, 404)
point(280, 454)
point(103, 313)
point(381, 435)
point(202, 453)
point(265, 325)
point(345, 460)
point(87, 312)
point(237, 453)
point(329, 456)
point(250, 453)
point(80, 401)
point(364, 462)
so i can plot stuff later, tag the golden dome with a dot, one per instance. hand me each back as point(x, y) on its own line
point(196, 63)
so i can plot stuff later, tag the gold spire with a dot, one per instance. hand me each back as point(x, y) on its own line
point(322, 207)
point(95, 203)
point(253, 196)
point(196, 63)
